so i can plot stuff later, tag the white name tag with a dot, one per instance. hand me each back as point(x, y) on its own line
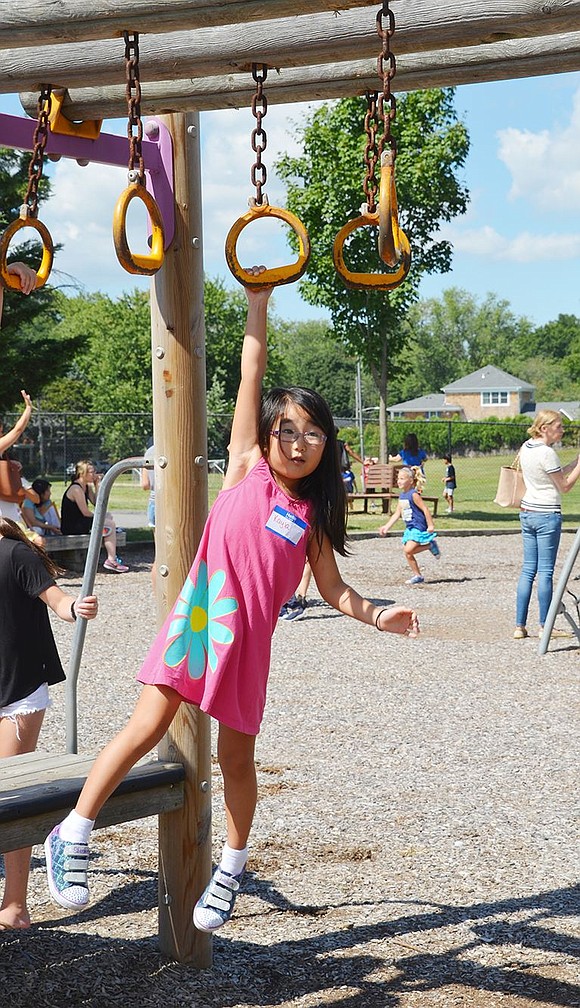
point(286, 525)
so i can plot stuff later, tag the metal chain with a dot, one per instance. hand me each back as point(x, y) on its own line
point(259, 139)
point(386, 69)
point(40, 138)
point(133, 95)
point(370, 185)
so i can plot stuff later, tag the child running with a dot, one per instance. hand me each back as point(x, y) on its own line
point(29, 664)
point(282, 500)
point(420, 533)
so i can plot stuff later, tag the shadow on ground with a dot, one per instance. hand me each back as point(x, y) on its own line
point(359, 965)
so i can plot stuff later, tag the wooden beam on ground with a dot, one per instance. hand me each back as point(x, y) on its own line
point(42, 22)
point(296, 41)
point(180, 439)
point(449, 67)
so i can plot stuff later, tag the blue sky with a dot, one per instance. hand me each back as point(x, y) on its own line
point(520, 238)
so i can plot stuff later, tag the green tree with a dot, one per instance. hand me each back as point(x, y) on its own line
point(555, 340)
point(324, 186)
point(453, 335)
point(313, 357)
point(112, 373)
point(225, 322)
point(31, 354)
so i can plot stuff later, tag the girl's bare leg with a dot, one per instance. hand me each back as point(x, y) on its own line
point(110, 540)
point(154, 712)
point(410, 549)
point(13, 910)
point(236, 760)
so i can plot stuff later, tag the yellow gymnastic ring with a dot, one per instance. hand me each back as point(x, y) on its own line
point(279, 274)
point(10, 280)
point(369, 281)
point(390, 235)
point(144, 265)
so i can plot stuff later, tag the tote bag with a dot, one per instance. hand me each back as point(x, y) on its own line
point(10, 483)
point(511, 487)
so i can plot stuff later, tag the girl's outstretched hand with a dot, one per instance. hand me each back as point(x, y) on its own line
point(397, 619)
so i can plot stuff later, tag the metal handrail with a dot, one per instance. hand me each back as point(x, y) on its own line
point(91, 564)
point(557, 604)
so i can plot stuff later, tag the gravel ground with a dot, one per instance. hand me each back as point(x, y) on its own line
point(414, 844)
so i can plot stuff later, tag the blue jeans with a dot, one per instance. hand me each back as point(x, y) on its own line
point(151, 511)
point(541, 535)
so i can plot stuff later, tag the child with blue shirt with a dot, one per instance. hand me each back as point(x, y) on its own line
point(419, 534)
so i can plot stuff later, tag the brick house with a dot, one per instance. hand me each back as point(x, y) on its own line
point(488, 392)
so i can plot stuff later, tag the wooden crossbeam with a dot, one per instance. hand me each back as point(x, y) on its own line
point(42, 22)
point(289, 42)
point(500, 61)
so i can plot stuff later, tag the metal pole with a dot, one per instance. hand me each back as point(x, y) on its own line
point(359, 414)
point(91, 564)
point(556, 603)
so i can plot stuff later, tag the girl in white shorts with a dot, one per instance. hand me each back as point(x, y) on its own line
point(29, 664)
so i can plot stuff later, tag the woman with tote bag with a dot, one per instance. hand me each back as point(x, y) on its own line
point(541, 513)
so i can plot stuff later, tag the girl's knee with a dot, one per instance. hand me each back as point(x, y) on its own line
point(235, 752)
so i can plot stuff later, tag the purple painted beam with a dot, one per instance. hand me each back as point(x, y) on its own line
point(108, 149)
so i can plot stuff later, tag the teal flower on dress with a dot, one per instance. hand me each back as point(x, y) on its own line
point(196, 627)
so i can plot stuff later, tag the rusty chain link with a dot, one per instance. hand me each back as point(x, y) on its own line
point(381, 109)
point(370, 185)
point(40, 138)
point(259, 139)
point(133, 95)
point(386, 69)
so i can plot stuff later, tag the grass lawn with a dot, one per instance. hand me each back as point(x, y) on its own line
point(477, 483)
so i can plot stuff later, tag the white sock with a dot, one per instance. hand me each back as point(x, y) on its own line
point(233, 861)
point(76, 829)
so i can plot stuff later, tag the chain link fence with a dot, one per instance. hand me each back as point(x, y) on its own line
point(54, 442)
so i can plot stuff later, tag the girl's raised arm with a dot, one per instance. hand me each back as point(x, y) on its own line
point(244, 448)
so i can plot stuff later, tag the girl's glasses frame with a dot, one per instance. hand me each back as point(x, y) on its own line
point(288, 436)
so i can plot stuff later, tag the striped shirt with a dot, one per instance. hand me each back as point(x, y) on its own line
point(537, 460)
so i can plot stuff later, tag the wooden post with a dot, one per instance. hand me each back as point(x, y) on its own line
point(180, 437)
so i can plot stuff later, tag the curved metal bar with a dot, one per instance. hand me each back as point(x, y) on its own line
point(280, 274)
point(11, 281)
point(557, 605)
point(369, 281)
point(88, 582)
point(390, 234)
point(143, 265)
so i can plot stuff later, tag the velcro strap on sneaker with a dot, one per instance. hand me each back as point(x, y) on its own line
point(221, 893)
point(75, 866)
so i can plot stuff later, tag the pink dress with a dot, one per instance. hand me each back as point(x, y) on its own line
point(214, 647)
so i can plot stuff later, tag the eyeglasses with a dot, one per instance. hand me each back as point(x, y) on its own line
point(287, 435)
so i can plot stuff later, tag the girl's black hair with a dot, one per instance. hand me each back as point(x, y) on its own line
point(10, 530)
point(40, 485)
point(411, 443)
point(324, 487)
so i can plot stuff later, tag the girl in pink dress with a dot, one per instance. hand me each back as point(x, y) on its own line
point(283, 500)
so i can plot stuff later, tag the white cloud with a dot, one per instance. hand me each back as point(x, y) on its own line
point(80, 211)
point(524, 247)
point(544, 166)
point(79, 216)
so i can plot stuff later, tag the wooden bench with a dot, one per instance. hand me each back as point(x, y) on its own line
point(71, 550)
point(381, 486)
point(37, 790)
